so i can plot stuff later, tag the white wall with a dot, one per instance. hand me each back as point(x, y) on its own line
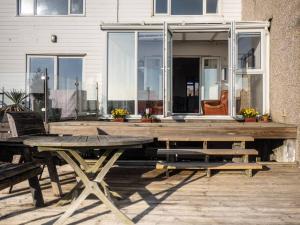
point(202, 48)
point(20, 36)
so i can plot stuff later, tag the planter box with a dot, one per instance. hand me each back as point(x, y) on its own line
point(119, 120)
point(146, 120)
point(247, 120)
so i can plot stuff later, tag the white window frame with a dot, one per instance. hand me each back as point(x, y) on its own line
point(55, 68)
point(204, 13)
point(35, 10)
point(263, 70)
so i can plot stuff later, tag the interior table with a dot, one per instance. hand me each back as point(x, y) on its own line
point(91, 176)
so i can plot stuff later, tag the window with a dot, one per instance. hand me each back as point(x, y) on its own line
point(249, 79)
point(65, 96)
point(135, 76)
point(50, 7)
point(211, 6)
point(249, 92)
point(26, 7)
point(76, 7)
point(161, 6)
point(69, 73)
point(249, 51)
point(53, 7)
point(186, 7)
point(121, 71)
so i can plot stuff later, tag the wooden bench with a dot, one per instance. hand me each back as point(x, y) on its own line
point(248, 167)
point(238, 149)
point(212, 152)
point(11, 174)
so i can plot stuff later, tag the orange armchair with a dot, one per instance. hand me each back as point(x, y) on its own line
point(216, 107)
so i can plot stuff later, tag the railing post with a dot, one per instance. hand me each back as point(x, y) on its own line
point(97, 100)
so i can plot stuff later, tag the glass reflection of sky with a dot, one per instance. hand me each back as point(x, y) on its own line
point(53, 7)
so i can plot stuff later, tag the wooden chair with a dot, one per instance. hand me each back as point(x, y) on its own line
point(216, 107)
point(11, 174)
point(31, 123)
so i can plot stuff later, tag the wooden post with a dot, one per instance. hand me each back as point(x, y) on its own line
point(35, 188)
point(56, 188)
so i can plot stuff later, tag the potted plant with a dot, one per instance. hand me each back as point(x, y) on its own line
point(17, 99)
point(249, 114)
point(119, 114)
point(265, 118)
point(147, 117)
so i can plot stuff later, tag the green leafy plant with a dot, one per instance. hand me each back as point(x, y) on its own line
point(17, 98)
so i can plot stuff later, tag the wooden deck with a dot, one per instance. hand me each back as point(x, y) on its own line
point(255, 130)
point(272, 197)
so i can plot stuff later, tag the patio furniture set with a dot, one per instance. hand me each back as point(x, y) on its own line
point(29, 138)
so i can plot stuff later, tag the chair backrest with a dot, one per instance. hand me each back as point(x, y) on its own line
point(25, 123)
point(224, 97)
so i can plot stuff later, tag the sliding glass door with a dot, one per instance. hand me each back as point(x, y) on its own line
point(134, 72)
point(54, 84)
point(121, 72)
point(150, 75)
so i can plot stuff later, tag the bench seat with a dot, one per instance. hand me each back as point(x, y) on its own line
point(212, 152)
point(11, 174)
point(209, 166)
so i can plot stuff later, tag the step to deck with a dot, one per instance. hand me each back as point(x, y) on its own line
point(212, 165)
point(216, 152)
point(248, 167)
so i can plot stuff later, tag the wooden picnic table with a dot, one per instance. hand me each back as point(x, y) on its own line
point(91, 176)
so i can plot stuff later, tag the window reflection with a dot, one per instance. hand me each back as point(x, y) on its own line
point(26, 7)
point(64, 94)
point(76, 6)
point(211, 6)
point(53, 7)
point(187, 7)
point(249, 92)
point(249, 51)
point(121, 71)
point(150, 77)
point(40, 68)
point(161, 6)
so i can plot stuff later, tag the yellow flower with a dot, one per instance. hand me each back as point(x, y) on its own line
point(249, 112)
point(119, 113)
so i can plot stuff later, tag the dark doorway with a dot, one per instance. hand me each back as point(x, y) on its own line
point(186, 85)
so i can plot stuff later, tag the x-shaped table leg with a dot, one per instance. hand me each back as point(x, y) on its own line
point(90, 170)
point(92, 186)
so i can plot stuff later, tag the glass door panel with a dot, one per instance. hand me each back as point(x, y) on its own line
point(150, 74)
point(210, 79)
point(121, 72)
point(39, 69)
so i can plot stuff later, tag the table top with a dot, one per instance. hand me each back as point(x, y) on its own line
point(86, 141)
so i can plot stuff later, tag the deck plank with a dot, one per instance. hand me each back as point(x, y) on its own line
point(272, 196)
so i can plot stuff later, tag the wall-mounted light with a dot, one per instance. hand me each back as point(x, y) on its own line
point(53, 38)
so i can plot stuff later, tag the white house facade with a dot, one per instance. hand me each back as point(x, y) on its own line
point(177, 58)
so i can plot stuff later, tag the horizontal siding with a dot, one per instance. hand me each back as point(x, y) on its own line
point(20, 36)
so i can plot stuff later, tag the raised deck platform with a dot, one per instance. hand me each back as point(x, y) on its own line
point(156, 130)
point(187, 197)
